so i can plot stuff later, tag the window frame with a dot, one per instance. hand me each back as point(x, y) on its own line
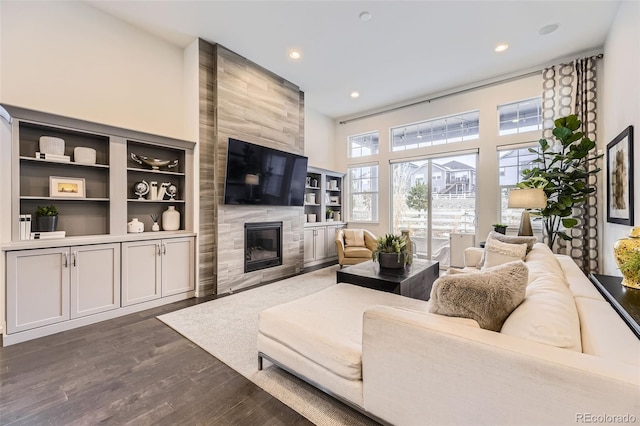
point(375, 208)
point(518, 129)
point(517, 212)
point(352, 138)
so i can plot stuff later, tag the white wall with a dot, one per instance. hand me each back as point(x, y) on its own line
point(620, 107)
point(71, 59)
point(319, 145)
point(486, 100)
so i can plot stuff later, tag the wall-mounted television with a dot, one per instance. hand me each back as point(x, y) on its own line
point(257, 175)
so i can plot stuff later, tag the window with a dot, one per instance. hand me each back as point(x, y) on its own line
point(363, 145)
point(511, 163)
point(455, 128)
point(521, 116)
point(363, 193)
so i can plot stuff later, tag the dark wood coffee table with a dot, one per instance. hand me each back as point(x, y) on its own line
point(413, 281)
point(625, 301)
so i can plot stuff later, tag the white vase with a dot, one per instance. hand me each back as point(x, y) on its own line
point(171, 219)
point(155, 227)
point(135, 226)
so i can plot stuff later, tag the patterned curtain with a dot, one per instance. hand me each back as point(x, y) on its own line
point(571, 89)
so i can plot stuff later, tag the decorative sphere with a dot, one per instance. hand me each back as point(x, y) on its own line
point(141, 188)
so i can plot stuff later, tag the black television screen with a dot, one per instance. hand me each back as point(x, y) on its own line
point(259, 175)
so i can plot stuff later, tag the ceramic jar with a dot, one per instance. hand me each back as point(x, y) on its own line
point(628, 250)
point(135, 226)
point(171, 219)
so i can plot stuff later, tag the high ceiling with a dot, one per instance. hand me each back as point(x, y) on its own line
point(406, 50)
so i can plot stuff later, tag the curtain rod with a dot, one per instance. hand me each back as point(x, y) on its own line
point(458, 92)
point(435, 98)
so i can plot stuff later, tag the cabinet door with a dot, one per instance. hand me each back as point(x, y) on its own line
point(177, 266)
point(37, 288)
point(321, 242)
point(141, 270)
point(95, 279)
point(332, 250)
point(309, 245)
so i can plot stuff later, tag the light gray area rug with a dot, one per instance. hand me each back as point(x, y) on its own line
point(227, 328)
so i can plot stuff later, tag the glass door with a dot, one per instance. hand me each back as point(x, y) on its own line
point(435, 198)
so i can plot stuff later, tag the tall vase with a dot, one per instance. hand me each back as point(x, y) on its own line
point(627, 254)
point(171, 219)
point(405, 233)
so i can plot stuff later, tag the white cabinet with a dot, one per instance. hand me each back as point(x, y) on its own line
point(315, 244)
point(156, 268)
point(47, 286)
point(319, 243)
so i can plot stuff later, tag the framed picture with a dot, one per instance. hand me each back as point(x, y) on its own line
point(64, 187)
point(620, 178)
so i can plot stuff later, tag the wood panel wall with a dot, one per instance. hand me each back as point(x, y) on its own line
point(250, 103)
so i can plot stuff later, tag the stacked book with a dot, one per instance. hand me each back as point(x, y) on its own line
point(53, 157)
point(25, 226)
point(48, 235)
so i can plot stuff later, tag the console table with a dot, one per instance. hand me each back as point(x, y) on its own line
point(413, 281)
point(625, 300)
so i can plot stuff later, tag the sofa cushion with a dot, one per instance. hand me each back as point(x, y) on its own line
point(354, 237)
point(604, 333)
point(497, 253)
point(357, 252)
point(579, 284)
point(548, 313)
point(487, 296)
point(326, 327)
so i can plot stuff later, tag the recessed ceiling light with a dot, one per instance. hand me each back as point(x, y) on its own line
point(501, 47)
point(294, 54)
point(355, 95)
point(364, 16)
point(548, 29)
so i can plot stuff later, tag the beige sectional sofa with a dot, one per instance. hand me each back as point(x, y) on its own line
point(563, 356)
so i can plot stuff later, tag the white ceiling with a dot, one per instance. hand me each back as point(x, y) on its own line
point(407, 50)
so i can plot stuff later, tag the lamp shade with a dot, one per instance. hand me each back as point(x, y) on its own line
point(530, 198)
point(252, 179)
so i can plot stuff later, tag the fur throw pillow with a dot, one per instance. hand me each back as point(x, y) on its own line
point(488, 296)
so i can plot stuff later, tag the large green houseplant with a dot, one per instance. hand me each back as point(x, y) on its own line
point(562, 171)
point(392, 252)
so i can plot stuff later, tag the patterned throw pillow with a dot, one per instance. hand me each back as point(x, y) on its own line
point(354, 237)
point(487, 296)
point(498, 253)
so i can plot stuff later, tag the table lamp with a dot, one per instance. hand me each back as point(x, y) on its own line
point(530, 198)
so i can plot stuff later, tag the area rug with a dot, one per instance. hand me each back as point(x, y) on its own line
point(227, 328)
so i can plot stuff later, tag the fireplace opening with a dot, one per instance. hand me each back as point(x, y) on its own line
point(262, 245)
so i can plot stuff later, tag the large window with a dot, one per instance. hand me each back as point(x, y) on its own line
point(511, 163)
point(521, 116)
point(363, 194)
point(363, 145)
point(434, 198)
point(454, 128)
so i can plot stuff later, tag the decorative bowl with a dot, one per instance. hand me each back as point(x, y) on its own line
point(84, 155)
point(154, 163)
point(52, 145)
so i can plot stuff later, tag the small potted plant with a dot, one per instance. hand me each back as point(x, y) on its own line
point(500, 227)
point(46, 218)
point(391, 252)
point(329, 215)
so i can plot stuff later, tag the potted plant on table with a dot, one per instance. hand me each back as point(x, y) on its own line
point(500, 227)
point(392, 252)
point(46, 218)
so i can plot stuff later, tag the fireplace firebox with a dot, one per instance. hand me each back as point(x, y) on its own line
point(262, 245)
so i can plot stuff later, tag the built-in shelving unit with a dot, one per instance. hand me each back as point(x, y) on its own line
point(97, 270)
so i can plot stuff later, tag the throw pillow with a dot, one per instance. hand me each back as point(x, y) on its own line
point(487, 296)
point(354, 237)
point(513, 239)
point(497, 253)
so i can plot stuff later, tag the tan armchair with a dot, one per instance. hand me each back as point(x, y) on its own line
point(355, 253)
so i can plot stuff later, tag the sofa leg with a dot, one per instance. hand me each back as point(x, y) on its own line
point(259, 362)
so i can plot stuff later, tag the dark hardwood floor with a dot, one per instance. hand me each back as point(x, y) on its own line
point(129, 370)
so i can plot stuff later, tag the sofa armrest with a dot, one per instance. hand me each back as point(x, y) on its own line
point(472, 256)
point(417, 367)
point(340, 245)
